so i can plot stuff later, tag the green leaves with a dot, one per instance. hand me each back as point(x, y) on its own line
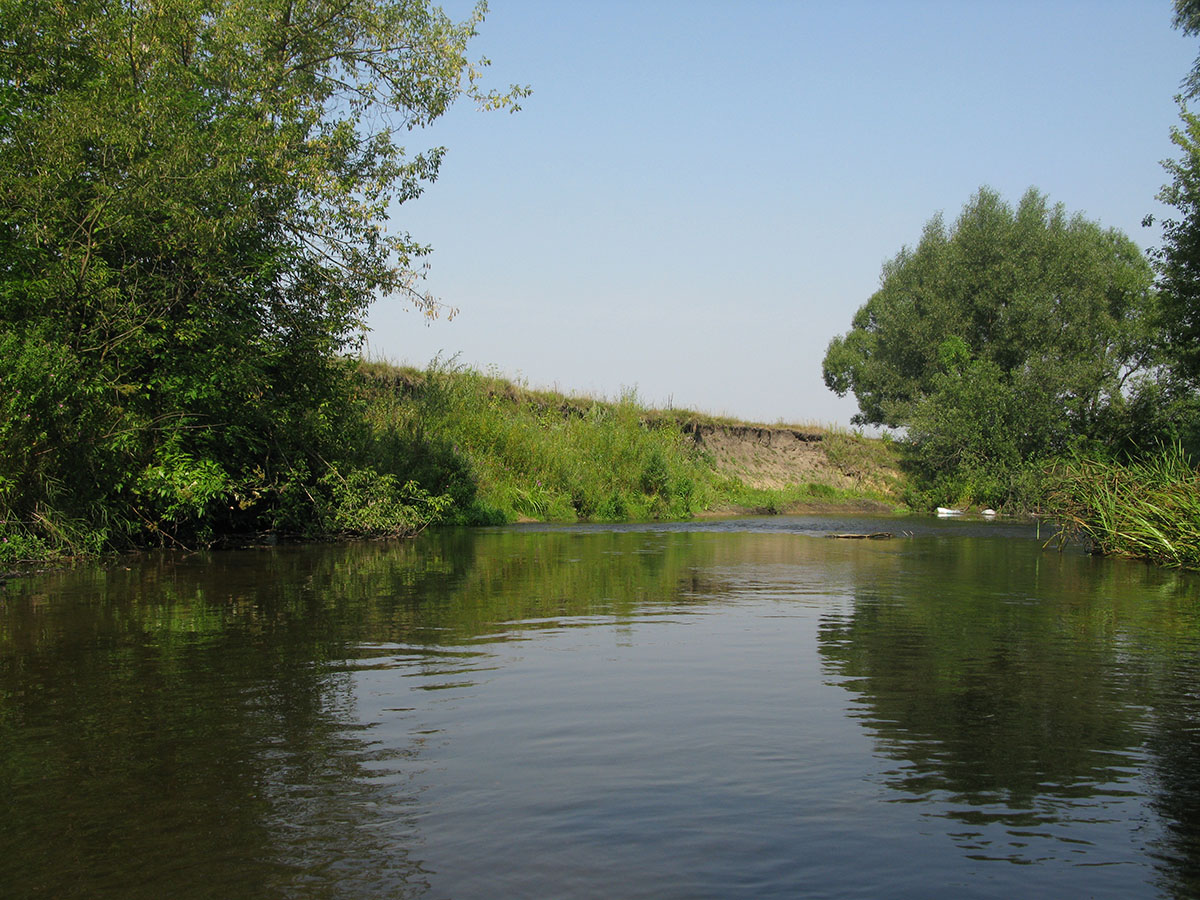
point(195, 197)
point(1178, 260)
point(998, 342)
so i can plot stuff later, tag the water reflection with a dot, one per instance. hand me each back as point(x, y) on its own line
point(1027, 696)
point(1174, 744)
point(193, 721)
point(177, 730)
point(336, 721)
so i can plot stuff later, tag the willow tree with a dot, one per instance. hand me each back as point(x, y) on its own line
point(195, 200)
point(1007, 338)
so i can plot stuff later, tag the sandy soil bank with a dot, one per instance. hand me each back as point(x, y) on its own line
point(777, 457)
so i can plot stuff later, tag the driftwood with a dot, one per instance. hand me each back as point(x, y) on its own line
point(873, 536)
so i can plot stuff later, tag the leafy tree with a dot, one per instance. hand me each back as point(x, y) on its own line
point(1165, 409)
point(195, 197)
point(1187, 20)
point(1009, 337)
point(1178, 260)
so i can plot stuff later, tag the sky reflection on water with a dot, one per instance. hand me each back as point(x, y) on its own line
point(710, 710)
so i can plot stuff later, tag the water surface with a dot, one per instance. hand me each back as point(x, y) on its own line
point(713, 710)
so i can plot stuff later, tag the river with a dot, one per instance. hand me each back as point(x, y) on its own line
point(732, 709)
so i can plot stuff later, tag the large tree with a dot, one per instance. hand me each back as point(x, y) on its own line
point(1187, 20)
point(195, 198)
point(1178, 259)
point(1166, 406)
point(1004, 338)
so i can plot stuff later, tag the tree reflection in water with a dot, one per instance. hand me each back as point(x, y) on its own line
point(192, 723)
point(187, 729)
point(1033, 695)
point(243, 724)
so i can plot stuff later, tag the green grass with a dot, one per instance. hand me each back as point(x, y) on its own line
point(812, 495)
point(1148, 509)
point(450, 445)
point(536, 454)
point(508, 453)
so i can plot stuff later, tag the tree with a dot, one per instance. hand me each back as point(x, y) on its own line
point(1178, 259)
point(195, 197)
point(1166, 407)
point(1002, 340)
point(1187, 20)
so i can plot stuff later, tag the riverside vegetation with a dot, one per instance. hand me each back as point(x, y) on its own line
point(503, 452)
point(1034, 363)
point(196, 201)
point(1035, 359)
point(195, 204)
point(449, 445)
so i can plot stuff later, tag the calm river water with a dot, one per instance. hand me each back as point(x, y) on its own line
point(738, 709)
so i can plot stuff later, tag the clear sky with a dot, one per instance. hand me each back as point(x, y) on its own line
point(699, 195)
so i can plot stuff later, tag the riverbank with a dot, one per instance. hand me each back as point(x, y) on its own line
point(448, 445)
point(406, 448)
point(512, 453)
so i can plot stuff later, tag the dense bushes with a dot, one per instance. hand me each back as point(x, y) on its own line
point(194, 203)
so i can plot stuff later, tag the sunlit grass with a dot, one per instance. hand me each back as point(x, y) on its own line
point(542, 455)
point(535, 454)
point(1148, 509)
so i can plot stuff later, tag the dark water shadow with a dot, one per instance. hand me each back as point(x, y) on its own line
point(1031, 694)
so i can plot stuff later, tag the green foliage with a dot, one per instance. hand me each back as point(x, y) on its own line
point(997, 344)
point(1187, 20)
point(977, 436)
point(364, 502)
point(195, 198)
point(1179, 257)
point(18, 545)
point(1165, 404)
point(179, 489)
point(508, 453)
point(1148, 509)
point(533, 458)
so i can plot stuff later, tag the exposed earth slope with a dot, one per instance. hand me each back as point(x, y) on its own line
point(778, 457)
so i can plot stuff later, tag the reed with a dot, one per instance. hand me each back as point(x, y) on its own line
point(1147, 509)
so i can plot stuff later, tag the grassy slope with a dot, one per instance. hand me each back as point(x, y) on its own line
point(511, 453)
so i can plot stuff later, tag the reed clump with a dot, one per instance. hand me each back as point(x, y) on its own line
point(1146, 509)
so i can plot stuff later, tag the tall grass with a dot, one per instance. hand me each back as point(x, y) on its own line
point(519, 454)
point(1148, 509)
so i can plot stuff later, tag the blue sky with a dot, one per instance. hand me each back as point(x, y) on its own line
point(699, 195)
